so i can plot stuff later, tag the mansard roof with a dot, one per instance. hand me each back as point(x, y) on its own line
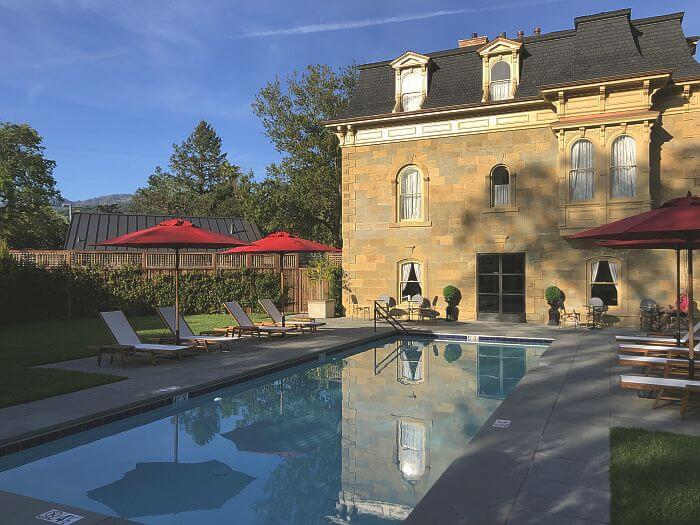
point(600, 46)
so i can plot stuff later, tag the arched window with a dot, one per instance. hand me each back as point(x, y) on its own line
point(623, 167)
point(410, 194)
point(410, 283)
point(411, 437)
point(500, 186)
point(604, 276)
point(499, 85)
point(411, 91)
point(410, 363)
point(582, 175)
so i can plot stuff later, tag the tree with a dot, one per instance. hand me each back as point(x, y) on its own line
point(200, 180)
point(27, 189)
point(302, 192)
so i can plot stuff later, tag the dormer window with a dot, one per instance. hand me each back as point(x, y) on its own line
point(411, 87)
point(499, 86)
point(411, 92)
point(501, 69)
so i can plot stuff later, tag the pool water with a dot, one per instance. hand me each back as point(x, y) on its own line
point(360, 437)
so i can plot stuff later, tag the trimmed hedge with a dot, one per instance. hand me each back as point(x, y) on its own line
point(37, 293)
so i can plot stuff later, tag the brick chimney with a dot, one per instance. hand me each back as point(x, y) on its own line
point(475, 40)
point(538, 31)
point(521, 34)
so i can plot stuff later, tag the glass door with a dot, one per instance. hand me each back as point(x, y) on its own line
point(501, 286)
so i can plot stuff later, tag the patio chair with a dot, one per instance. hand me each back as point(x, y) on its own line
point(426, 312)
point(288, 320)
point(245, 324)
point(658, 340)
point(667, 389)
point(204, 340)
point(357, 308)
point(596, 308)
point(128, 342)
point(572, 317)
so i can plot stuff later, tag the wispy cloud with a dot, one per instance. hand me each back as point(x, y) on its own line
point(369, 22)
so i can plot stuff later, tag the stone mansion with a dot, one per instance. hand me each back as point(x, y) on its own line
point(472, 166)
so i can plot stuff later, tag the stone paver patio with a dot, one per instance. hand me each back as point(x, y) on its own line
point(550, 465)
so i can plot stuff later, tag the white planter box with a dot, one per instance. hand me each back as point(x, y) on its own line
point(321, 309)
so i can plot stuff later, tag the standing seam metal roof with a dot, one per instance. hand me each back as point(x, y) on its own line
point(87, 229)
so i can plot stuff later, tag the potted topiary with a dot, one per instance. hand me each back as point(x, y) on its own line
point(553, 295)
point(452, 297)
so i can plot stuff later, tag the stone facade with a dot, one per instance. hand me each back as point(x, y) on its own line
point(459, 221)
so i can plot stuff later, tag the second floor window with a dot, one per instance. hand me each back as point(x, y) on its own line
point(411, 92)
point(623, 167)
point(500, 186)
point(499, 85)
point(581, 176)
point(410, 194)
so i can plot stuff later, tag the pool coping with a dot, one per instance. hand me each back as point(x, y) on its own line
point(55, 432)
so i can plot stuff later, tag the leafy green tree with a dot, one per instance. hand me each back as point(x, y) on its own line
point(302, 192)
point(27, 189)
point(199, 181)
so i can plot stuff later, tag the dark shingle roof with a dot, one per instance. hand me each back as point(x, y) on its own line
point(601, 45)
point(86, 229)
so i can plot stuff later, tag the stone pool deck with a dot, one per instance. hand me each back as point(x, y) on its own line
point(550, 465)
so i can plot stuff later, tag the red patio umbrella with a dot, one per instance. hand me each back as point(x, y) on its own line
point(174, 234)
point(677, 219)
point(283, 242)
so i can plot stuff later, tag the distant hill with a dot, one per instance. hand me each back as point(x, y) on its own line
point(123, 199)
point(115, 203)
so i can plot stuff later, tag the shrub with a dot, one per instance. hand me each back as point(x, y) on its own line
point(552, 294)
point(322, 269)
point(452, 295)
point(453, 352)
point(37, 293)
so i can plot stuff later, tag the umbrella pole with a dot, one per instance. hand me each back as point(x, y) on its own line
point(282, 285)
point(678, 297)
point(691, 335)
point(177, 296)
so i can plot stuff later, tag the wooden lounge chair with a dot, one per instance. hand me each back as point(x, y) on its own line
point(288, 320)
point(668, 389)
point(128, 342)
point(207, 341)
point(656, 350)
point(668, 365)
point(657, 340)
point(245, 324)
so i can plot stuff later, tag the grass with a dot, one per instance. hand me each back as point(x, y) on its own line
point(654, 477)
point(36, 343)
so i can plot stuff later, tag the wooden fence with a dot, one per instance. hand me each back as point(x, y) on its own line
point(296, 278)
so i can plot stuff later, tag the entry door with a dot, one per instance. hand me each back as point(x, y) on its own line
point(501, 287)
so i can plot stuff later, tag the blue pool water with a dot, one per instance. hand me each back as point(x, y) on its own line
point(361, 436)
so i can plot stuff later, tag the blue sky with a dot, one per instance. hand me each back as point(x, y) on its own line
point(111, 84)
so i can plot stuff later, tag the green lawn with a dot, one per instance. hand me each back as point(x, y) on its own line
point(36, 343)
point(654, 477)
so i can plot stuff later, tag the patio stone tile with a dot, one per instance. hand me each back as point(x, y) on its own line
point(568, 500)
point(525, 516)
point(566, 440)
point(592, 474)
point(662, 425)
point(455, 498)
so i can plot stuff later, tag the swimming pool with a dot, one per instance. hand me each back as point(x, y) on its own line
point(362, 435)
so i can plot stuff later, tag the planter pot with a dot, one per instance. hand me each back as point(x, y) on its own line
point(451, 313)
point(321, 309)
point(554, 315)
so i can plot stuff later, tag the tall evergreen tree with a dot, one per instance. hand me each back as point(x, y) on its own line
point(200, 180)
